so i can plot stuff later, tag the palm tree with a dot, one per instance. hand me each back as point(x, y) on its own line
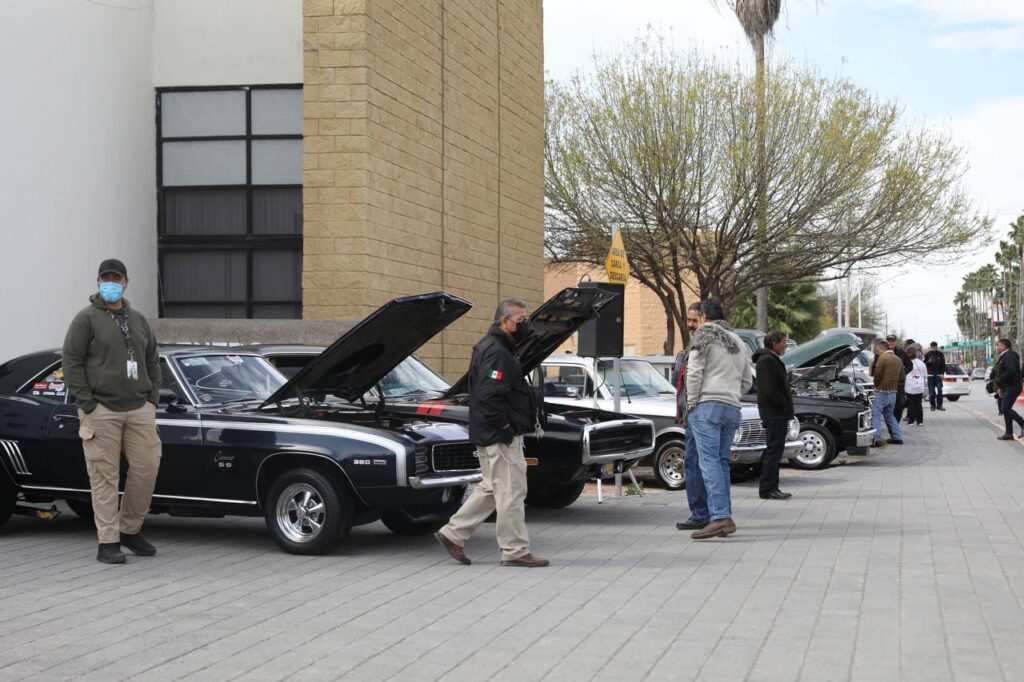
point(796, 309)
point(758, 17)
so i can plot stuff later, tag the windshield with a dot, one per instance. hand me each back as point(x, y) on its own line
point(216, 379)
point(411, 377)
point(639, 378)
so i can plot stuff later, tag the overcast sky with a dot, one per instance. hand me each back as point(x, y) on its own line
point(950, 63)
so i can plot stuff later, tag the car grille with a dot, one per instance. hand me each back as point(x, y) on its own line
point(454, 457)
point(751, 433)
point(619, 439)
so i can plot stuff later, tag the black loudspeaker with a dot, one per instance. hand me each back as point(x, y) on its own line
point(602, 336)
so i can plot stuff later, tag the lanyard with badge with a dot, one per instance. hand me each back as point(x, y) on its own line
point(132, 367)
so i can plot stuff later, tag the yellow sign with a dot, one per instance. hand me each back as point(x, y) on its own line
point(616, 263)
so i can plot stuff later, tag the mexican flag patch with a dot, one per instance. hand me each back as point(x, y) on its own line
point(494, 374)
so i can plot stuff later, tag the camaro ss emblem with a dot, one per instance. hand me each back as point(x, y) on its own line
point(223, 461)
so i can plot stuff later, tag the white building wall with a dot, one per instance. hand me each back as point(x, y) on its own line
point(77, 170)
point(227, 42)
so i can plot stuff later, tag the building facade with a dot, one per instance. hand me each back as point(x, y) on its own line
point(272, 158)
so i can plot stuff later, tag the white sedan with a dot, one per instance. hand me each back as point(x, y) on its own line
point(955, 383)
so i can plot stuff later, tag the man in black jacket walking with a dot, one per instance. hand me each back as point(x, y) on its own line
point(1008, 384)
point(501, 410)
point(935, 361)
point(775, 403)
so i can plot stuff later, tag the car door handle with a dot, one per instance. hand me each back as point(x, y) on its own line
point(64, 417)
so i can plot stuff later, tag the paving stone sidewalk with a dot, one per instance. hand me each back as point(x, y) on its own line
point(908, 565)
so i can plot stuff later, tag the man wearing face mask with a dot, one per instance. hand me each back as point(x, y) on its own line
point(112, 368)
point(501, 409)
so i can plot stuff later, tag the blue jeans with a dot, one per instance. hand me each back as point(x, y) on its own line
point(696, 493)
point(713, 425)
point(883, 406)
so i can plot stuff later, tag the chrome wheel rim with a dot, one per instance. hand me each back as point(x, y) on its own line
point(671, 465)
point(814, 449)
point(301, 513)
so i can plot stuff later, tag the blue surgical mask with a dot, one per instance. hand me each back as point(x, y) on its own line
point(111, 292)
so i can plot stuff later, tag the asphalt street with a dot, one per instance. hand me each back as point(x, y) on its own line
point(906, 565)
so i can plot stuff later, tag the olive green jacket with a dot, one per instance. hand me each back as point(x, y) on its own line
point(95, 359)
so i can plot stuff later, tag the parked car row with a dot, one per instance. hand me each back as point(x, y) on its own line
point(318, 440)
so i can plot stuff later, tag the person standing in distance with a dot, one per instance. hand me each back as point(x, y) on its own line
point(935, 361)
point(696, 495)
point(112, 368)
point(501, 409)
point(915, 386)
point(775, 403)
point(1007, 374)
point(717, 375)
point(887, 374)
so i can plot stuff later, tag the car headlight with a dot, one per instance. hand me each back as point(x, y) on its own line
point(794, 430)
point(738, 436)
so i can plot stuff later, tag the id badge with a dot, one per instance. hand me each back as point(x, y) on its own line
point(133, 369)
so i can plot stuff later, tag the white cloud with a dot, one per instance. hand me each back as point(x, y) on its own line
point(1003, 39)
point(951, 13)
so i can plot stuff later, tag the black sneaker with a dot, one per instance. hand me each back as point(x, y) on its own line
point(692, 524)
point(137, 544)
point(109, 553)
point(895, 441)
point(941, 409)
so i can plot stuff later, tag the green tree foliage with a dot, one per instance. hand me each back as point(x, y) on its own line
point(663, 146)
point(992, 293)
point(796, 309)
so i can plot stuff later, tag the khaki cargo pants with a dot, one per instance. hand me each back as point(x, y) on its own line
point(105, 435)
point(503, 489)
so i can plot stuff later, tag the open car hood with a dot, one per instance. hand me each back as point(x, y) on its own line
point(351, 366)
point(831, 363)
point(551, 325)
point(816, 351)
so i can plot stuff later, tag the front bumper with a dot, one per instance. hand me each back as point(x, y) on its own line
point(427, 482)
point(865, 438)
point(752, 454)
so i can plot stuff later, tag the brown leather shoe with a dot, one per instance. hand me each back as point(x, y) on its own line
point(716, 529)
point(527, 561)
point(457, 552)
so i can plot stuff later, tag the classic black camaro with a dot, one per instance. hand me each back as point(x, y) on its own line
point(238, 438)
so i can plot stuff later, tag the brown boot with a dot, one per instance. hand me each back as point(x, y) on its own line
point(527, 561)
point(716, 529)
point(457, 552)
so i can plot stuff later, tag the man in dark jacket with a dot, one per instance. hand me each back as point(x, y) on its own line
point(112, 368)
point(775, 403)
point(1008, 384)
point(501, 410)
point(935, 361)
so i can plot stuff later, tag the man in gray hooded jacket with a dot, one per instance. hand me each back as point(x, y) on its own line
point(717, 375)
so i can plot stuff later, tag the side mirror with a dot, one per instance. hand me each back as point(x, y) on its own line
point(168, 397)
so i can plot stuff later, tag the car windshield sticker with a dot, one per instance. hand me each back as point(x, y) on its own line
point(51, 385)
point(195, 362)
point(495, 374)
point(234, 358)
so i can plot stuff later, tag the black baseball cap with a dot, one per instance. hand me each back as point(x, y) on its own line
point(891, 337)
point(112, 265)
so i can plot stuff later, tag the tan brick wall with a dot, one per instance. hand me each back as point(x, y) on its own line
point(423, 158)
point(644, 319)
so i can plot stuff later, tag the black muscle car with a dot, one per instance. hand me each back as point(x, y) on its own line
point(309, 453)
point(834, 414)
point(578, 442)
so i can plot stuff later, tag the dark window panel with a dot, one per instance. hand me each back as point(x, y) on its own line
point(204, 212)
point(204, 311)
point(276, 275)
point(204, 276)
point(277, 211)
point(277, 311)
